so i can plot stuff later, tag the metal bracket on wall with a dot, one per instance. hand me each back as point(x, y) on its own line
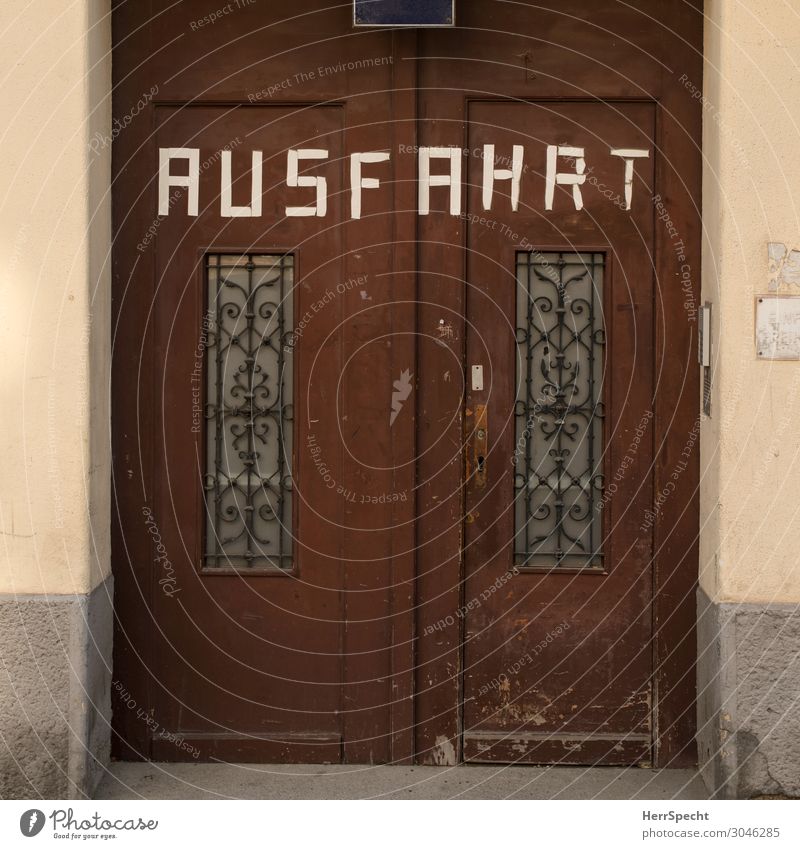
point(704, 354)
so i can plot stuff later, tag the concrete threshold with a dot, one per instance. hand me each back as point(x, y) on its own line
point(263, 781)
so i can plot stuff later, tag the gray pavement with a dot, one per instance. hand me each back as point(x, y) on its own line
point(261, 781)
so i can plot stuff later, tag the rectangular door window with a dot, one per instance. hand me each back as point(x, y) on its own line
point(559, 410)
point(248, 411)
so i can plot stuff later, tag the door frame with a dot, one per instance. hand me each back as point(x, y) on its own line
point(676, 408)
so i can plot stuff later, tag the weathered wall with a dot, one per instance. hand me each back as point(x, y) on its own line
point(749, 603)
point(55, 601)
point(54, 240)
point(751, 446)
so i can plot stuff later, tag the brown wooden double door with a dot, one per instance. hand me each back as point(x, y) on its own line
point(402, 373)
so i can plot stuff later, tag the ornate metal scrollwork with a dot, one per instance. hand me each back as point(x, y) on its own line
point(559, 411)
point(248, 412)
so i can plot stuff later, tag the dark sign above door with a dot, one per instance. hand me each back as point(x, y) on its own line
point(404, 13)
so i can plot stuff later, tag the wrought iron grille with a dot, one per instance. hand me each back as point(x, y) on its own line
point(558, 478)
point(248, 411)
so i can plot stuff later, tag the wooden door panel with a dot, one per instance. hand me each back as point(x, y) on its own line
point(556, 58)
point(237, 657)
point(382, 641)
point(311, 663)
point(555, 657)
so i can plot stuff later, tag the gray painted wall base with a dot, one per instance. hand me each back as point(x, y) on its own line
point(55, 684)
point(748, 672)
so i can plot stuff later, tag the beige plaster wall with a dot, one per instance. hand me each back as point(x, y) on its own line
point(55, 80)
point(750, 544)
point(54, 293)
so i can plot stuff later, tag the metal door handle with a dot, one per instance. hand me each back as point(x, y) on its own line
point(476, 421)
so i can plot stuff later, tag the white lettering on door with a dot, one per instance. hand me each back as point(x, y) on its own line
point(554, 178)
point(227, 210)
point(426, 179)
point(357, 182)
point(629, 154)
point(490, 174)
point(294, 181)
point(191, 181)
point(575, 156)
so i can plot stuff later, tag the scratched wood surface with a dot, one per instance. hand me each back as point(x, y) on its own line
point(359, 655)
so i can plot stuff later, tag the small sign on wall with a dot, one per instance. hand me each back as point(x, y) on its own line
point(404, 13)
point(778, 327)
